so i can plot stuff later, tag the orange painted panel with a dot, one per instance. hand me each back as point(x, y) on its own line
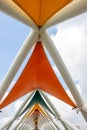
point(41, 10)
point(37, 74)
point(36, 106)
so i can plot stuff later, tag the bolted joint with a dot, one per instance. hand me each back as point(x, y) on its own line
point(39, 30)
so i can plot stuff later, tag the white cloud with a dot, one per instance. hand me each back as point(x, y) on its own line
point(71, 42)
point(18, 104)
point(5, 119)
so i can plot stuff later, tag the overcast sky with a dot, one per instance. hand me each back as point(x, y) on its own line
point(70, 38)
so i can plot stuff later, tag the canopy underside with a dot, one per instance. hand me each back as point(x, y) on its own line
point(37, 74)
point(41, 10)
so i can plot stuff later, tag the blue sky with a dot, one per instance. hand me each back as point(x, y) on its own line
point(14, 33)
point(12, 36)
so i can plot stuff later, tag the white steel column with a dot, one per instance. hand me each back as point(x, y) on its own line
point(19, 123)
point(45, 120)
point(20, 109)
point(75, 8)
point(6, 124)
point(65, 123)
point(20, 126)
point(51, 120)
point(50, 125)
point(29, 42)
point(47, 41)
point(10, 8)
point(16, 126)
point(57, 126)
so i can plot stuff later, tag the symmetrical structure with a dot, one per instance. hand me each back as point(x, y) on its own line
point(38, 77)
